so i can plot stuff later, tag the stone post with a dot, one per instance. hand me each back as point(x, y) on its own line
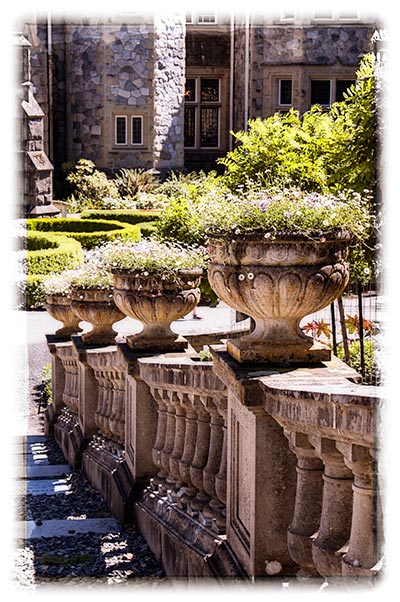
point(260, 475)
point(141, 427)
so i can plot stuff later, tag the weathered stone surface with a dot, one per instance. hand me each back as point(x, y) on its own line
point(278, 282)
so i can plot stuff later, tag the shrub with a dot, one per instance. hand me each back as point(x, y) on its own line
point(131, 181)
point(30, 292)
point(372, 371)
point(89, 233)
point(89, 186)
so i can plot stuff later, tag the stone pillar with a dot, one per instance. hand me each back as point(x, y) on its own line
point(57, 383)
point(260, 476)
point(168, 91)
point(88, 392)
point(141, 426)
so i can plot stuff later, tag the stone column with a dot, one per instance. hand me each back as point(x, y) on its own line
point(307, 510)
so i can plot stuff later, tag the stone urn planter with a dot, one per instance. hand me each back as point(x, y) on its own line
point(59, 308)
point(278, 282)
point(97, 307)
point(156, 301)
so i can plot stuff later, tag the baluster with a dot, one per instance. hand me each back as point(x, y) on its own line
point(363, 552)
point(219, 505)
point(208, 515)
point(307, 511)
point(117, 417)
point(159, 479)
point(177, 452)
point(337, 497)
point(200, 456)
point(187, 492)
point(169, 441)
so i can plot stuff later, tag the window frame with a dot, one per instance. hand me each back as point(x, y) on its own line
point(125, 118)
point(331, 91)
point(140, 117)
point(279, 92)
point(198, 104)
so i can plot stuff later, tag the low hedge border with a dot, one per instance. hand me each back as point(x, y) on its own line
point(89, 232)
point(45, 253)
point(48, 252)
point(133, 216)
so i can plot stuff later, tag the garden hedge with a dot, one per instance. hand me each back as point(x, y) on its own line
point(45, 253)
point(89, 232)
point(133, 216)
point(48, 252)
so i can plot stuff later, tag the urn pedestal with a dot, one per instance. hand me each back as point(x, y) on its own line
point(156, 302)
point(97, 307)
point(59, 308)
point(278, 282)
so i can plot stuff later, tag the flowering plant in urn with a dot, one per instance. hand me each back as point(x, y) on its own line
point(278, 256)
point(91, 293)
point(57, 288)
point(156, 283)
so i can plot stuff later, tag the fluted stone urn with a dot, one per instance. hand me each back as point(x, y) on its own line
point(59, 308)
point(97, 307)
point(156, 302)
point(278, 282)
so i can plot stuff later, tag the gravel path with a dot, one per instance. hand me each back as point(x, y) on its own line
point(119, 559)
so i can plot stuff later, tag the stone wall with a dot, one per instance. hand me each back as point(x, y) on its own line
point(168, 89)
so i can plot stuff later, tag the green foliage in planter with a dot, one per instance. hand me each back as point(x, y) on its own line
point(90, 233)
point(132, 216)
point(48, 252)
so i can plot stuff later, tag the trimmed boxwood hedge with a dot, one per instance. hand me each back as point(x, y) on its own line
point(133, 216)
point(45, 253)
point(48, 252)
point(88, 232)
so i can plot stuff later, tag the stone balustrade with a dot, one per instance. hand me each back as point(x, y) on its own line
point(190, 445)
point(227, 469)
point(331, 428)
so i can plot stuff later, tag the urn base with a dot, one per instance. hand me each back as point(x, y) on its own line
point(280, 352)
point(141, 343)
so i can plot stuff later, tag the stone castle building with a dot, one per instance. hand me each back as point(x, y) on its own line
point(164, 91)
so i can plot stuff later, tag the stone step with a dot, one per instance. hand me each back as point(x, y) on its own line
point(48, 471)
point(43, 487)
point(66, 527)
